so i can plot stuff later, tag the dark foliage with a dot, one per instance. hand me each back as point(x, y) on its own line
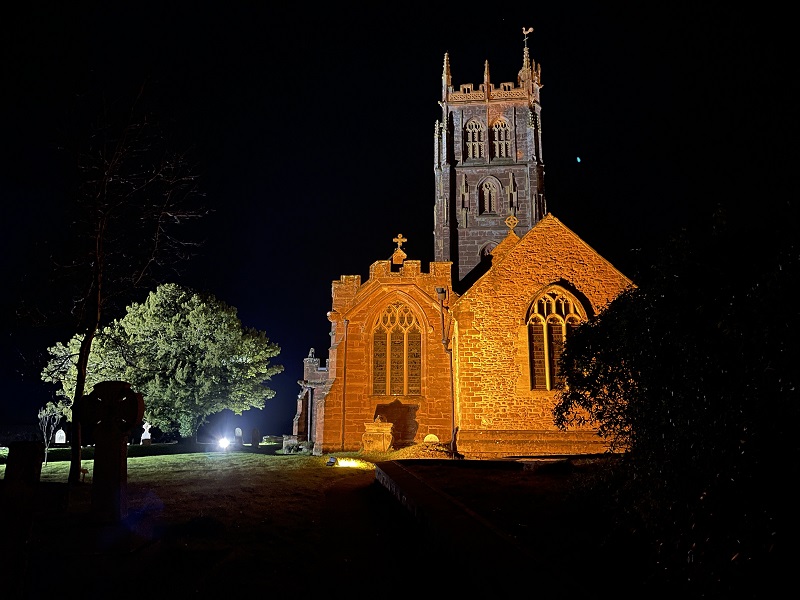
point(693, 373)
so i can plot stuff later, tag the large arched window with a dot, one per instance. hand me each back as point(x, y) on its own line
point(488, 197)
point(474, 140)
point(501, 140)
point(551, 319)
point(397, 353)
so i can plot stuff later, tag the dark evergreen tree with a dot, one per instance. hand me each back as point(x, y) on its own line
point(692, 374)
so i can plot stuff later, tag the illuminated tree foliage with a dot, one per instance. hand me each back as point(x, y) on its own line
point(692, 373)
point(187, 353)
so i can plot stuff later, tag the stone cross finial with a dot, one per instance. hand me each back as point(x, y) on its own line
point(399, 240)
point(512, 221)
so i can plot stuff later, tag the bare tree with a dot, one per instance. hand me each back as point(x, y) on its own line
point(49, 417)
point(132, 192)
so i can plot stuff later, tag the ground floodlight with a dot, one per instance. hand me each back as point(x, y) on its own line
point(331, 461)
point(224, 443)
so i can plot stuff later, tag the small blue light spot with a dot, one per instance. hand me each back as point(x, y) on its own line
point(579, 159)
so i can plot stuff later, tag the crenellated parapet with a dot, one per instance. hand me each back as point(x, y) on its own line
point(344, 290)
point(467, 93)
point(383, 268)
point(395, 272)
point(529, 82)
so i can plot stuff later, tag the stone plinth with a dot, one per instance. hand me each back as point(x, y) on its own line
point(377, 437)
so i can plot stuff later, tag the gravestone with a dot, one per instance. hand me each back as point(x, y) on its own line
point(61, 437)
point(109, 413)
point(146, 434)
point(237, 436)
point(289, 443)
point(18, 498)
point(24, 463)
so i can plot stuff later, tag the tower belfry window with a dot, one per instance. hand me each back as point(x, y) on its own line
point(501, 140)
point(474, 140)
point(553, 316)
point(397, 353)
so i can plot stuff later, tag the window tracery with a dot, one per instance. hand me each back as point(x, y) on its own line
point(552, 318)
point(397, 353)
point(501, 139)
point(474, 140)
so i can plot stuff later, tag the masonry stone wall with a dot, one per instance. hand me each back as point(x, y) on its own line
point(493, 392)
point(497, 444)
point(349, 403)
point(496, 411)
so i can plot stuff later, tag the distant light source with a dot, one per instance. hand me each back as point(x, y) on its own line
point(331, 461)
point(224, 443)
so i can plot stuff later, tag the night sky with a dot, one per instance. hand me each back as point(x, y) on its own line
point(313, 130)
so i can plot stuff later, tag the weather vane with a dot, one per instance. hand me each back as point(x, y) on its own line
point(525, 32)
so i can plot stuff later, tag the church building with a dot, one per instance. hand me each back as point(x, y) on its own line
point(465, 353)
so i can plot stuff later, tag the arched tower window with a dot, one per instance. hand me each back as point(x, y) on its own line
point(552, 318)
point(488, 197)
point(397, 353)
point(501, 140)
point(474, 140)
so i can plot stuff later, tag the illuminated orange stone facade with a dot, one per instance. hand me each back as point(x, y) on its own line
point(471, 345)
point(500, 409)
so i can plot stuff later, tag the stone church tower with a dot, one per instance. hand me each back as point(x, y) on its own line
point(488, 166)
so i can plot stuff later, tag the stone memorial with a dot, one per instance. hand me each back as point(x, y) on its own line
point(24, 462)
point(61, 437)
point(378, 435)
point(237, 437)
point(109, 412)
point(18, 499)
point(146, 434)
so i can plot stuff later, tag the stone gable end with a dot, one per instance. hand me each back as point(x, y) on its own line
point(491, 345)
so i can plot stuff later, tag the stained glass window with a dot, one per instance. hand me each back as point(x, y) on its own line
point(552, 318)
point(397, 353)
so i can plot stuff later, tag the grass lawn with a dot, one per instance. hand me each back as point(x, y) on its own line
point(171, 483)
point(200, 519)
